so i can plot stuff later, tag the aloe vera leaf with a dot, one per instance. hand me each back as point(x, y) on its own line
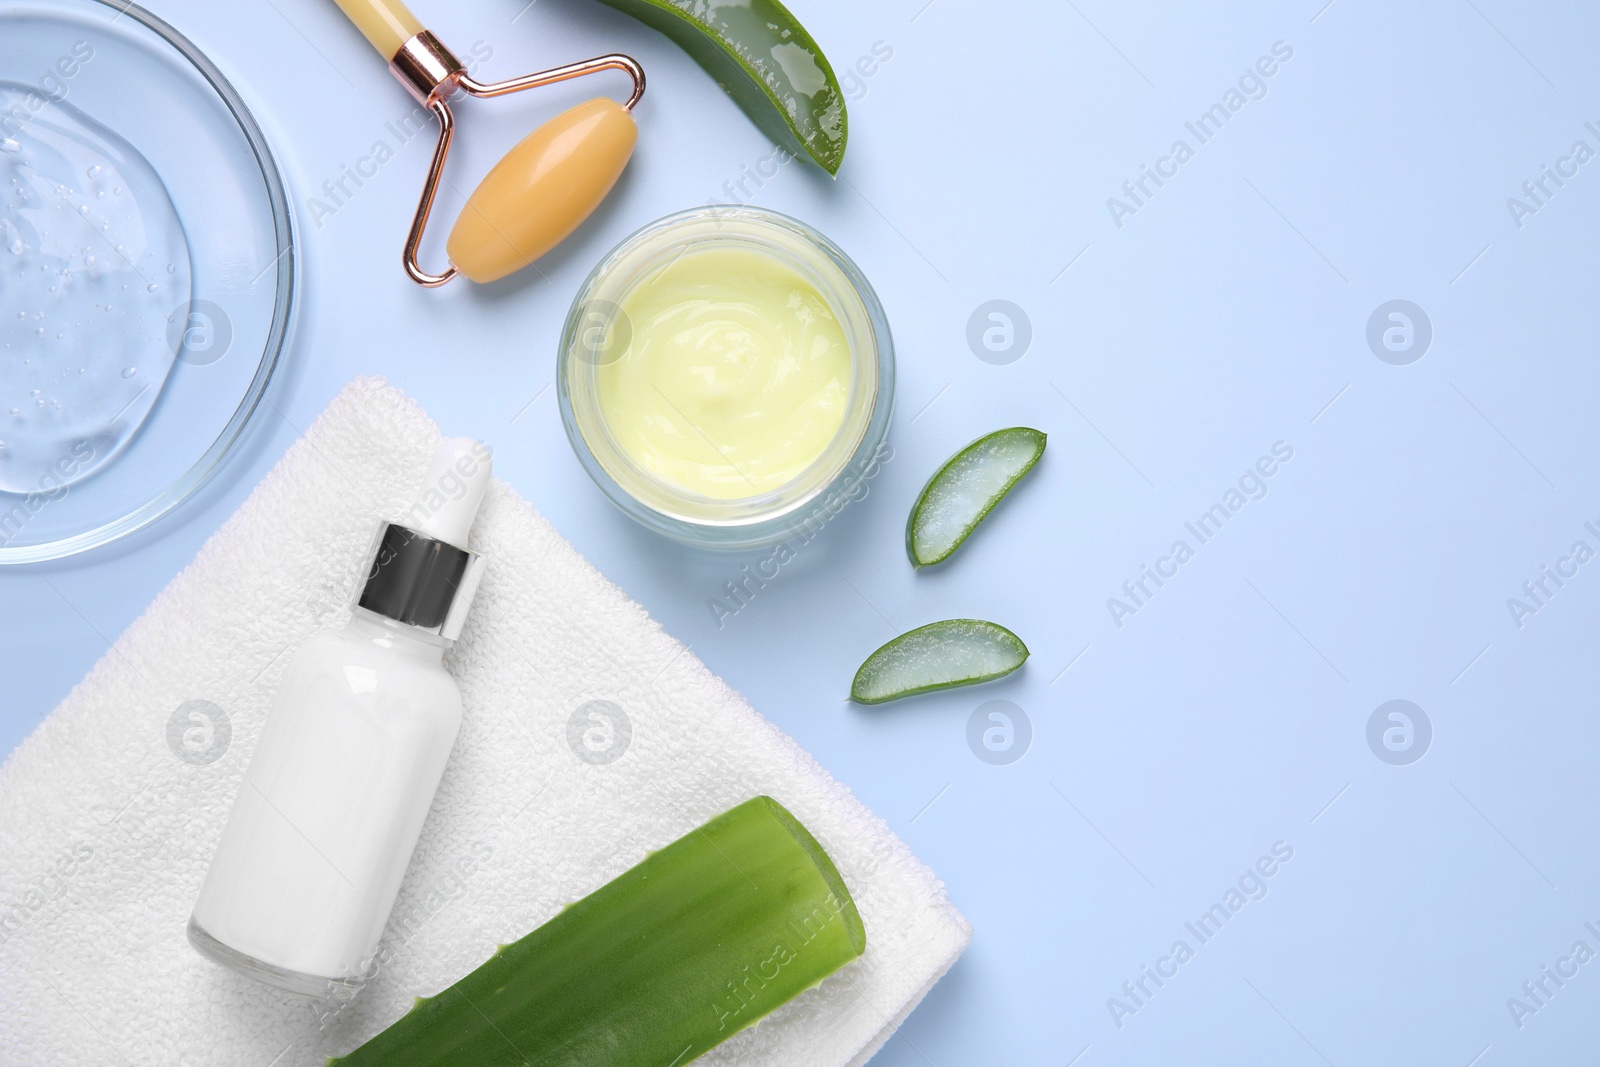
point(763, 58)
point(940, 655)
point(658, 965)
point(961, 493)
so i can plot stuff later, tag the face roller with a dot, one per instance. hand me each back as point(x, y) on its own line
point(543, 188)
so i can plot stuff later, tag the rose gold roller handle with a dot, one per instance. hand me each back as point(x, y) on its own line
point(543, 188)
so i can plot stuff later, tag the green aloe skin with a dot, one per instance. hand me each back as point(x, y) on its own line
point(940, 655)
point(671, 958)
point(961, 493)
point(761, 55)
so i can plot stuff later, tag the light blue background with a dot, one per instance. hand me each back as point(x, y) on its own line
point(1168, 354)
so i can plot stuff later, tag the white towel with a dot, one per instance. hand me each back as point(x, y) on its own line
point(109, 812)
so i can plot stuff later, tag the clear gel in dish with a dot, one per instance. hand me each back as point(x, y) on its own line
point(93, 265)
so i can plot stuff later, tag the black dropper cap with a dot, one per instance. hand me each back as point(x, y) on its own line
point(414, 579)
point(422, 574)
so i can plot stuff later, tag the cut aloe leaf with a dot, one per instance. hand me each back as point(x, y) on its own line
point(763, 58)
point(940, 655)
point(669, 959)
point(963, 491)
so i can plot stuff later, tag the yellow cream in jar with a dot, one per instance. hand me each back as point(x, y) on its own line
point(734, 375)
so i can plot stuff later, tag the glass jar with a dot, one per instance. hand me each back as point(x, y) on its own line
point(596, 335)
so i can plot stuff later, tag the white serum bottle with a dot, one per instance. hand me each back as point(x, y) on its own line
point(350, 757)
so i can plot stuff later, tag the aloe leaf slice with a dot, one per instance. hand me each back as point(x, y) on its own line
point(940, 655)
point(763, 58)
point(963, 491)
point(658, 965)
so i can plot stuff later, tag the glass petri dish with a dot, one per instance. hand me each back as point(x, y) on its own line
point(133, 361)
point(597, 335)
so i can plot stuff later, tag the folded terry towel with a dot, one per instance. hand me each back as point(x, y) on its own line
point(109, 812)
